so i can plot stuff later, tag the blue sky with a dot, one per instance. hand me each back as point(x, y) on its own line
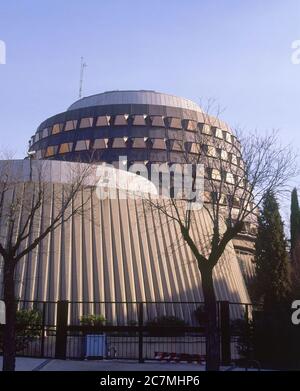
point(238, 52)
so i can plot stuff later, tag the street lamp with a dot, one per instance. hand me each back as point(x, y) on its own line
point(30, 155)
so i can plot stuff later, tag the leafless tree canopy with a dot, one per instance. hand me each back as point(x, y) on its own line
point(23, 201)
point(238, 174)
point(28, 191)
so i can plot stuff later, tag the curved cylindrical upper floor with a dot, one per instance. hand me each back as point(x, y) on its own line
point(144, 126)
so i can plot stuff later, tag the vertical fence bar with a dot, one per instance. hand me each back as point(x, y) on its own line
point(43, 330)
point(247, 313)
point(141, 322)
point(61, 329)
point(225, 333)
point(247, 332)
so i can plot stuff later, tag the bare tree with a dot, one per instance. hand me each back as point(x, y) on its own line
point(22, 200)
point(237, 176)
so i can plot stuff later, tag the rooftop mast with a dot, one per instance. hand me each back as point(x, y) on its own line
point(82, 66)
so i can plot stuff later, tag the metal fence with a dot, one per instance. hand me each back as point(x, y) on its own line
point(130, 330)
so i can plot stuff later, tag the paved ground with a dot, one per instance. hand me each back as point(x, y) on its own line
point(106, 365)
point(25, 364)
point(35, 364)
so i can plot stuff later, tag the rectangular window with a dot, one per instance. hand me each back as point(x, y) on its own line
point(99, 143)
point(175, 123)
point(211, 151)
point(158, 121)
point(45, 132)
point(119, 143)
point(139, 120)
point(57, 128)
point(71, 125)
point(176, 145)
point(191, 125)
point(228, 137)
point(192, 147)
point(236, 202)
point(229, 178)
point(103, 120)
point(50, 151)
point(206, 129)
point(214, 197)
point(121, 119)
point(158, 144)
point(218, 133)
point(65, 147)
point(86, 122)
point(195, 148)
point(138, 143)
point(82, 145)
point(215, 174)
point(224, 155)
point(234, 159)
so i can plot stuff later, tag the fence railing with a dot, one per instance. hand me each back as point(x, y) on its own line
point(132, 330)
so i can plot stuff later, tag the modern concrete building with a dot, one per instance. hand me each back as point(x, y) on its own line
point(120, 252)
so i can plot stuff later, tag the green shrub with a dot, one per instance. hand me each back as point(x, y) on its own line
point(244, 333)
point(92, 320)
point(28, 328)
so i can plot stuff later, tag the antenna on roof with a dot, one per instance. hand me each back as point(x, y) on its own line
point(82, 66)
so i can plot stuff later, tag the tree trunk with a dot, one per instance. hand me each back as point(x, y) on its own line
point(9, 335)
point(212, 332)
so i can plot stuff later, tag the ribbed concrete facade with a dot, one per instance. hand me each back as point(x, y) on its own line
point(118, 250)
point(146, 127)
